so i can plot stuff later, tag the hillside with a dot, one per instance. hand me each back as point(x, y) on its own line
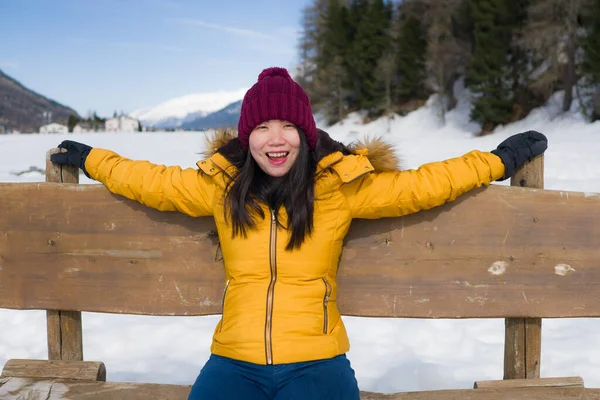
point(224, 118)
point(184, 110)
point(25, 110)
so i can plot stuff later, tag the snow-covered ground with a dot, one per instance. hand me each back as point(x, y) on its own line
point(388, 355)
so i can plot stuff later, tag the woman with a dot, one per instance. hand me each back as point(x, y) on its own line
point(283, 195)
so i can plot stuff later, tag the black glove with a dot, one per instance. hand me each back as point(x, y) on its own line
point(518, 149)
point(75, 155)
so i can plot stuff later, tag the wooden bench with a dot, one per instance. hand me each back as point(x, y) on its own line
point(499, 252)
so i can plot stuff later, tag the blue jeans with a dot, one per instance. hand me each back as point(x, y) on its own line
point(224, 378)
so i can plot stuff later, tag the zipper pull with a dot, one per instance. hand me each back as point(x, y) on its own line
point(226, 285)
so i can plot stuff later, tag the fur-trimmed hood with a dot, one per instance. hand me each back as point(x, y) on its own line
point(380, 154)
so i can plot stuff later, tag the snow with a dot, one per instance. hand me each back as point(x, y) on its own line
point(387, 354)
point(179, 108)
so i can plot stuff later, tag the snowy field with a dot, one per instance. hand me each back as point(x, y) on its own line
point(388, 355)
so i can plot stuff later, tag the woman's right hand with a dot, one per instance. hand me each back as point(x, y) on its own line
point(75, 155)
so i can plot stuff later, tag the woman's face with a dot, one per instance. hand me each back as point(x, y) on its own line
point(275, 144)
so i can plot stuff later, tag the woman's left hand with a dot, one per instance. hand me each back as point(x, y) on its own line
point(518, 149)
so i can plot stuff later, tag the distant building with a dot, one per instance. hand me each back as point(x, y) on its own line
point(122, 123)
point(8, 131)
point(112, 125)
point(54, 128)
point(82, 128)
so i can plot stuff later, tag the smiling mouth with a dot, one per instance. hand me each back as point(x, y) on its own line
point(278, 156)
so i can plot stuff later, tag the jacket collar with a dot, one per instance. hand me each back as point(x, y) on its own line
point(223, 149)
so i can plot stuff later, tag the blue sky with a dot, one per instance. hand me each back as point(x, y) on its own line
point(108, 55)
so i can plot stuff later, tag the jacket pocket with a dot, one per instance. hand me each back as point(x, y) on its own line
point(328, 289)
point(223, 305)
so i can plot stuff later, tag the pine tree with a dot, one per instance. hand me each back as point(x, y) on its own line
point(487, 75)
point(591, 64)
point(522, 98)
point(332, 40)
point(355, 53)
point(411, 51)
point(551, 37)
point(447, 52)
point(381, 15)
point(312, 28)
point(72, 121)
point(591, 46)
point(370, 23)
point(331, 78)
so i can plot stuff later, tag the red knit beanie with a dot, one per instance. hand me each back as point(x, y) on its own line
point(276, 96)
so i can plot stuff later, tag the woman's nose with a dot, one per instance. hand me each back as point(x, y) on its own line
point(276, 136)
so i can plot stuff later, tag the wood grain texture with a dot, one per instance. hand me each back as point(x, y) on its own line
point(71, 331)
point(65, 332)
point(533, 347)
point(56, 389)
point(58, 369)
point(523, 336)
point(495, 252)
point(492, 394)
point(573, 381)
point(53, 335)
point(23, 388)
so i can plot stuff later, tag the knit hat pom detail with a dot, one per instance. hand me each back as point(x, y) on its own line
point(275, 71)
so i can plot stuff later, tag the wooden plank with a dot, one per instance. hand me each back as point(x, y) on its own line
point(514, 347)
point(523, 336)
point(60, 173)
point(71, 329)
point(53, 334)
point(64, 335)
point(492, 394)
point(533, 347)
point(58, 369)
point(573, 381)
point(64, 329)
point(22, 388)
point(495, 252)
point(34, 389)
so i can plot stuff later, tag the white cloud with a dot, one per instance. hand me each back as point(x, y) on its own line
point(280, 49)
point(168, 4)
point(9, 64)
point(152, 46)
point(228, 29)
point(289, 31)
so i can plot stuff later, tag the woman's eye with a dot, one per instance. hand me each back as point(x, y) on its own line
point(289, 126)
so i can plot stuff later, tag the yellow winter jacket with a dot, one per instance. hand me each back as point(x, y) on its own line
point(280, 306)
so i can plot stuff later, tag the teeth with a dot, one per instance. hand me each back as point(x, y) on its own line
point(275, 155)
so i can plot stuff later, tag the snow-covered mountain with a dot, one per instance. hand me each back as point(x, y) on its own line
point(224, 118)
point(173, 113)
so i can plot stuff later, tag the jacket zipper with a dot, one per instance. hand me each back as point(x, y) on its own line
point(271, 290)
point(223, 305)
point(325, 303)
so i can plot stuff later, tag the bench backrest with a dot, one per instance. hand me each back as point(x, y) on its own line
point(495, 252)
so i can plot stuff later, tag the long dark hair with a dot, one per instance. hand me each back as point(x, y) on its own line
point(251, 186)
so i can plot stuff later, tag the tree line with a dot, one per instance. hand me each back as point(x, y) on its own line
point(391, 56)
